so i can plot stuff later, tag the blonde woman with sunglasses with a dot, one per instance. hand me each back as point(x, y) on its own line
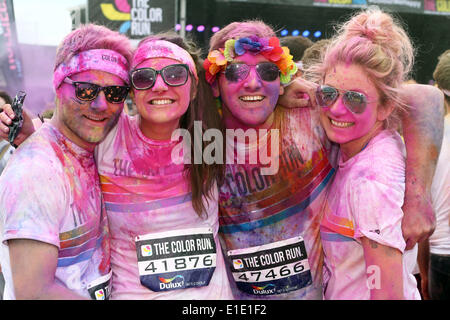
point(359, 100)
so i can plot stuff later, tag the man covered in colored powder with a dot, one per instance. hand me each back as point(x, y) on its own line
point(270, 212)
point(54, 232)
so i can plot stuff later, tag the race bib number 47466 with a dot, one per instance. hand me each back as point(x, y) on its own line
point(176, 259)
point(274, 268)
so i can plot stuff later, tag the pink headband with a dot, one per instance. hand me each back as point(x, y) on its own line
point(163, 49)
point(96, 59)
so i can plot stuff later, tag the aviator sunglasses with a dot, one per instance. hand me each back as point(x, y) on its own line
point(354, 101)
point(87, 91)
point(267, 71)
point(173, 75)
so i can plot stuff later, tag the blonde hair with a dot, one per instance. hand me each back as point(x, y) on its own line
point(377, 42)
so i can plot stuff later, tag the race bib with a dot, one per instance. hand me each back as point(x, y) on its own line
point(177, 259)
point(100, 288)
point(274, 268)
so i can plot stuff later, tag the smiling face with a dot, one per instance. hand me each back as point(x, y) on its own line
point(161, 105)
point(87, 122)
point(352, 131)
point(249, 102)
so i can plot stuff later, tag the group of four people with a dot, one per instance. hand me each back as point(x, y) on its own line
point(97, 203)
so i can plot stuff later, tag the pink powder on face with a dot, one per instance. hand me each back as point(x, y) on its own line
point(354, 130)
point(245, 113)
point(167, 115)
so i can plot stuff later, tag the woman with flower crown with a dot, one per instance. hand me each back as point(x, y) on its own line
point(269, 223)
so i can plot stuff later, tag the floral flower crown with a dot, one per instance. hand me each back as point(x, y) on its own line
point(270, 48)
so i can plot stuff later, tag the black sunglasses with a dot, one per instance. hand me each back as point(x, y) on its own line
point(354, 101)
point(267, 71)
point(173, 75)
point(87, 91)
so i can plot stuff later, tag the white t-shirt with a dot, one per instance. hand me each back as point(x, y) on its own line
point(440, 196)
point(50, 192)
point(365, 200)
point(177, 255)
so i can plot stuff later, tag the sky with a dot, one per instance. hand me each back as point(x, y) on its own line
point(43, 22)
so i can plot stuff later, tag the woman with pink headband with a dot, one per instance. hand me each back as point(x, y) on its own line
point(163, 216)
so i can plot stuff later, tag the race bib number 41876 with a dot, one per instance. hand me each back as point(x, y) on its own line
point(176, 259)
point(274, 268)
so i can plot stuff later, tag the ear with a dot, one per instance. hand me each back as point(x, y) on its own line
point(385, 111)
point(281, 89)
point(215, 88)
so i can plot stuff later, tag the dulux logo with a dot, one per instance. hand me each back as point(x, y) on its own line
point(170, 284)
point(264, 290)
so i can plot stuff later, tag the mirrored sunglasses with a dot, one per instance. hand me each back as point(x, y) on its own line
point(87, 91)
point(267, 71)
point(354, 101)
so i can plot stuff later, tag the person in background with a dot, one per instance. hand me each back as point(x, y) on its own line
point(297, 46)
point(312, 56)
point(434, 253)
point(54, 231)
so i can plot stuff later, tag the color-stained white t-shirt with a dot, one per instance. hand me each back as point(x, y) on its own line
point(160, 247)
point(365, 200)
point(270, 224)
point(50, 192)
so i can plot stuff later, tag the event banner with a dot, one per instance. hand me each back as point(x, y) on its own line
point(413, 6)
point(11, 73)
point(135, 18)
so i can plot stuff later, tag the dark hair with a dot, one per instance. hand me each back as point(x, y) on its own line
point(297, 45)
point(201, 108)
point(6, 97)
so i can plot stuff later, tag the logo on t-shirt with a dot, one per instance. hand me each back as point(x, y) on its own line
point(267, 289)
point(100, 294)
point(146, 251)
point(171, 283)
point(238, 264)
